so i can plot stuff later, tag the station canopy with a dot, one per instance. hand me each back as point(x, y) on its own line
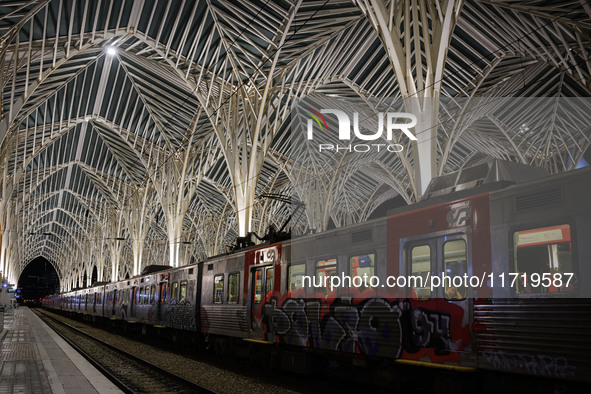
point(142, 132)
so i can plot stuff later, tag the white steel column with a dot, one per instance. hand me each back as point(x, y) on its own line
point(176, 183)
point(113, 229)
point(140, 212)
point(418, 61)
point(248, 133)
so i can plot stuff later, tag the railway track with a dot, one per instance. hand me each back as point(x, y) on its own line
point(128, 372)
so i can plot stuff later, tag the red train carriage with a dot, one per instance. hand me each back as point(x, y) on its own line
point(368, 321)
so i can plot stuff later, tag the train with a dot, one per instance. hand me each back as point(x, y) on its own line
point(521, 234)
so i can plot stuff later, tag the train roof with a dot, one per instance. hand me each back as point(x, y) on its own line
point(487, 172)
point(488, 177)
point(150, 269)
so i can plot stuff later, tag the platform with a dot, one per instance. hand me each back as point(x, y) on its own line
point(34, 359)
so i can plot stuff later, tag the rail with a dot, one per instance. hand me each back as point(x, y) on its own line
point(130, 373)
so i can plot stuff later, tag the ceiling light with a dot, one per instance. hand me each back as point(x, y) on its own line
point(111, 50)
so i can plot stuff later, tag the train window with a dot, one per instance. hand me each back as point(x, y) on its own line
point(538, 256)
point(362, 266)
point(269, 281)
point(258, 286)
point(325, 269)
point(152, 294)
point(233, 287)
point(141, 296)
point(454, 263)
point(183, 292)
point(174, 291)
point(218, 289)
point(295, 273)
point(420, 263)
point(163, 292)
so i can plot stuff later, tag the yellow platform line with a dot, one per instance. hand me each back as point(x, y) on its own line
point(257, 341)
point(435, 365)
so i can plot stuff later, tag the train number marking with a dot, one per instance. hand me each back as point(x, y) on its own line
point(265, 256)
point(458, 216)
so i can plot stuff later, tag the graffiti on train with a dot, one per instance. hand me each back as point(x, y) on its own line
point(178, 315)
point(375, 327)
point(535, 364)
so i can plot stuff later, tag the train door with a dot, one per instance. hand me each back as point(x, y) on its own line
point(453, 262)
point(132, 302)
point(444, 299)
point(421, 263)
point(114, 302)
point(261, 289)
point(102, 301)
point(445, 256)
point(161, 300)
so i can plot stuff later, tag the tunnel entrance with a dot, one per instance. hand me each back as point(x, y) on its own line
point(37, 280)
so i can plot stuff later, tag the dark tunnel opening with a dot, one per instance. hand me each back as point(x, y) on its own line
point(38, 279)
